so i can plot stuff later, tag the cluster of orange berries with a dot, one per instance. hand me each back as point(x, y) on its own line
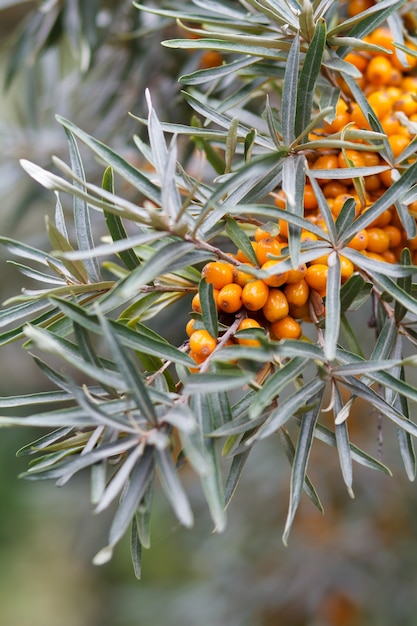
point(280, 302)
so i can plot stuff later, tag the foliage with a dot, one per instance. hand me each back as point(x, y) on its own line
point(129, 405)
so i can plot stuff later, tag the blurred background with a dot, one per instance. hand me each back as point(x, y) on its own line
point(356, 565)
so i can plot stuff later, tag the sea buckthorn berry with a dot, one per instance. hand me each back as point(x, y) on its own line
point(247, 323)
point(241, 256)
point(378, 240)
point(266, 247)
point(381, 103)
point(229, 298)
point(334, 188)
point(386, 177)
point(260, 233)
point(283, 228)
point(389, 256)
point(355, 7)
point(370, 158)
point(301, 312)
point(240, 277)
point(255, 294)
point(358, 59)
point(196, 304)
point(276, 306)
point(339, 202)
point(280, 199)
point(359, 241)
point(382, 36)
point(202, 343)
point(382, 220)
point(342, 118)
point(310, 200)
point(316, 276)
point(372, 183)
point(398, 143)
point(411, 60)
point(346, 268)
point(411, 243)
point(353, 156)
point(390, 124)
point(197, 358)
point(210, 58)
point(324, 162)
point(218, 273)
point(287, 328)
point(276, 280)
point(297, 293)
point(307, 236)
point(189, 329)
point(394, 234)
point(358, 117)
point(295, 275)
point(379, 70)
point(409, 83)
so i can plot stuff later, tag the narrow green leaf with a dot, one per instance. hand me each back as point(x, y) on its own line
point(354, 293)
point(289, 92)
point(136, 550)
point(308, 77)
point(342, 442)
point(240, 239)
point(213, 383)
point(173, 488)
point(82, 223)
point(299, 467)
point(115, 225)
point(289, 450)
point(333, 309)
point(273, 386)
point(404, 283)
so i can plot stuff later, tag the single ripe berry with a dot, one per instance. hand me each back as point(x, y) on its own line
point(297, 293)
point(202, 343)
point(276, 280)
point(248, 323)
point(218, 273)
point(294, 276)
point(240, 277)
point(266, 247)
point(378, 240)
point(189, 329)
point(287, 328)
point(379, 70)
point(229, 298)
point(316, 276)
point(346, 268)
point(255, 294)
point(276, 306)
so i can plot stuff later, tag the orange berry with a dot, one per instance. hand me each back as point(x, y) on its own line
point(382, 220)
point(197, 358)
point(407, 104)
point(280, 199)
point(382, 37)
point(301, 312)
point(295, 275)
point(378, 240)
point(381, 103)
point(297, 293)
point(255, 294)
point(334, 188)
point(189, 329)
point(240, 277)
point(355, 7)
point(411, 60)
point(409, 83)
point(359, 241)
point(398, 143)
point(283, 228)
point(390, 124)
point(241, 256)
point(324, 162)
point(202, 343)
point(358, 59)
point(358, 117)
point(342, 118)
point(196, 304)
point(210, 58)
point(386, 177)
point(229, 298)
point(370, 158)
point(310, 200)
point(379, 70)
point(346, 268)
point(316, 276)
point(276, 280)
point(247, 323)
point(372, 182)
point(276, 306)
point(339, 202)
point(218, 273)
point(389, 256)
point(352, 155)
point(287, 328)
point(260, 233)
point(266, 247)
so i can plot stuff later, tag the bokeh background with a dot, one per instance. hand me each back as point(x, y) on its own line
point(354, 566)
